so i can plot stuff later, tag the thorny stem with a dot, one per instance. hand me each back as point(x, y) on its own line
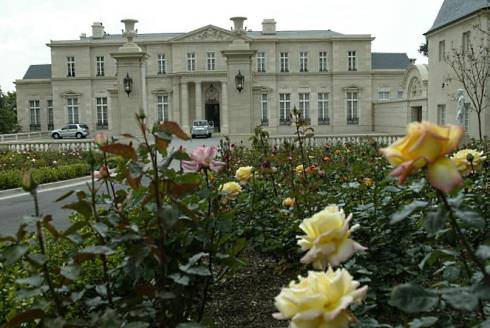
point(462, 240)
point(103, 257)
point(264, 149)
point(40, 238)
point(156, 186)
point(303, 159)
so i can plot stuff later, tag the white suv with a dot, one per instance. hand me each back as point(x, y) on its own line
point(201, 128)
point(78, 131)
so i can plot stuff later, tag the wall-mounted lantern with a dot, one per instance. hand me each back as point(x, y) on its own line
point(239, 81)
point(128, 84)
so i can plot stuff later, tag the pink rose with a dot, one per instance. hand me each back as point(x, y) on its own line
point(203, 158)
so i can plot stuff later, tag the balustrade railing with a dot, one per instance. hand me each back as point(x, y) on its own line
point(318, 140)
point(23, 136)
point(54, 145)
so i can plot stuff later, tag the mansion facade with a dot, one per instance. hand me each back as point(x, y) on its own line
point(237, 78)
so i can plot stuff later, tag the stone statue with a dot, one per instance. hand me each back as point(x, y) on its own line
point(460, 107)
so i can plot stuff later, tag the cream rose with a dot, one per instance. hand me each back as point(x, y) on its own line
point(244, 173)
point(326, 238)
point(467, 160)
point(230, 190)
point(427, 144)
point(288, 202)
point(320, 300)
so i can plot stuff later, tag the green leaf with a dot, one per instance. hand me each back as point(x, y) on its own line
point(83, 207)
point(101, 229)
point(485, 324)
point(423, 322)
point(471, 218)
point(73, 228)
point(168, 215)
point(413, 299)
point(189, 268)
point(407, 210)
point(190, 325)
point(137, 324)
point(37, 259)
point(13, 253)
point(97, 250)
point(483, 252)
point(26, 316)
point(33, 281)
point(180, 279)
point(461, 299)
point(70, 272)
point(435, 221)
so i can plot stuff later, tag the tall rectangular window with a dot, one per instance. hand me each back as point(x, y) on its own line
point(284, 62)
point(70, 63)
point(442, 51)
point(304, 105)
point(99, 63)
point(323, 61)
point(466, 117)
point(466, 46)
point(35, 111)
point(102, 115)
point(323, 117)
point(162, 108)
point(162, 64)
point(50, 115)
point(352, 59)
point(191, 61)
point(303, 61)
point(72, 110)
point(441, 114)
point(261, 62)
point(264, 109)
point(384, 94)
point(284, 107)
point(211, 61)
point(352, 108)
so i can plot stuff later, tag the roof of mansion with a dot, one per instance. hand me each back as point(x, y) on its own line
point(386, 60)
point(454, 10)
point(38, 72)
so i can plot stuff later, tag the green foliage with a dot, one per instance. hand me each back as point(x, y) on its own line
point(8, 115)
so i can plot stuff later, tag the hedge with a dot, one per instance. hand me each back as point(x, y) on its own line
point(13, 178)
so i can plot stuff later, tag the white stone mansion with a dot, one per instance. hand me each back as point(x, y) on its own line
point(103, 80)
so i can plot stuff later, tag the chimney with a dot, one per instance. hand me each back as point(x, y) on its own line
point(269, 26)
point(97, 30)
point(238, 24)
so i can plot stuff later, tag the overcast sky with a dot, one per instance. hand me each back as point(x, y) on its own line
point(27, 25)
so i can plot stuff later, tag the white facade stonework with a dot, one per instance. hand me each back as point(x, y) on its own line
point(188, 76)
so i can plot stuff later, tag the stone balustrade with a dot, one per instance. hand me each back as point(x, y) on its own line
point(45, 145)
point(318, 140)
point(23, 136)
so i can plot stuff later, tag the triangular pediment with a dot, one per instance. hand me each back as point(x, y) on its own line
point(208, 33)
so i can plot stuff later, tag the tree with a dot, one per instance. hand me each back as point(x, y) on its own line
point(472, 69)
point(8, 114)
point(424, 49)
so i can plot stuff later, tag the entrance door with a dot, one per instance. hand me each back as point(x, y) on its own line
point(417, 114)
point(212, 114)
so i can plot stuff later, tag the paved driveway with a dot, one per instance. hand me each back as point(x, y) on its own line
point(14, 206)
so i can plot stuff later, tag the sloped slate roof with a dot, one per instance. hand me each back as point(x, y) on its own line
point(453, 10)
point(38, 72)
point(383, 60)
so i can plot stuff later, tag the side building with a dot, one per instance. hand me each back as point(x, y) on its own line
point(237, 78)
point(460, 26)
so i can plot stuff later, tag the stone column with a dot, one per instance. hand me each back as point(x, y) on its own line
point(185, 107)
point(175, 112)
point(199, 111)
point(224, 108)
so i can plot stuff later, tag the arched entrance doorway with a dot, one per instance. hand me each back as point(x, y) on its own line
point(212, 112)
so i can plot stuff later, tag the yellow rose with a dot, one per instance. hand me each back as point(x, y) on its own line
point(299, 169)
point(320, 300)
point(467, 160)
point(243, 174)
point(288, 202)
point(368, 182)
point(327, 238)
point(427, 144)
point(230, 190)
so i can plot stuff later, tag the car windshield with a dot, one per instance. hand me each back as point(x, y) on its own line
point(200, 123)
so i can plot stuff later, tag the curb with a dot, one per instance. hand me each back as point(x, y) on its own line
point(9, 192)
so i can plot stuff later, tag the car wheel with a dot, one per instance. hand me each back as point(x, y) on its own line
point(209, 135)
point(79, 135)
point(56, 135)
point(193, 136)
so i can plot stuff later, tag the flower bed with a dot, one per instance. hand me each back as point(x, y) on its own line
point(378, 239)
